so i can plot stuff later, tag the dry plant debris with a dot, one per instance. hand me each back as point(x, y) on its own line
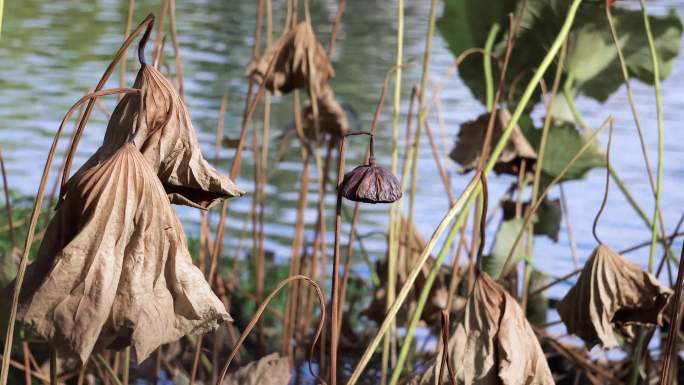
point(297, 60)
point(332, 119)
point(493, 344)
point(113, 269)
point(612, 293)
point(269, 370)
point(167, 139)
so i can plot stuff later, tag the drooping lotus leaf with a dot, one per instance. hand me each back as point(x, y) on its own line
point(167, 139)
point(269, 370)
point(471, 137)
point(113, 268)
point(493, 344)
point(611, 293)
point(591, 57)
point(296, 60)
point(332, 119)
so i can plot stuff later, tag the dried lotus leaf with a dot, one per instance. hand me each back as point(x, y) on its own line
point(285, 67)
point(269, 370)
point(114, 269)
point(610, 293)
point(471, 137)
point(494, 344)
point(167, 139)
point(332, 119)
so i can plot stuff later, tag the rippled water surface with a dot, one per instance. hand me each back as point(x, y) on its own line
point(51, 52)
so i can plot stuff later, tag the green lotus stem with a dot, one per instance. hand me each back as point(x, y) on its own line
point(487, 62)
point(659, 112)
point(570, 99)
point(466, 199)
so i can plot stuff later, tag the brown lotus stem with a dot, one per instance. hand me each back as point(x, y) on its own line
point(147, 23)
point(334, 330)
point(446, 360)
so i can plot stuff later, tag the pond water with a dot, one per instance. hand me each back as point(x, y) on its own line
point(53, 52)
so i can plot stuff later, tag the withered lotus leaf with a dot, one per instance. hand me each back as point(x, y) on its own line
point(370, 184)
point(611, 293)
point(113, 268)
point(167, 139)
point(332, 119)
point(269, 370)
point(285, 65)
point(493, 344)
point(471, 137)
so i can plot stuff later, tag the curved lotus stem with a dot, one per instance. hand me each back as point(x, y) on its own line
point(260, 311)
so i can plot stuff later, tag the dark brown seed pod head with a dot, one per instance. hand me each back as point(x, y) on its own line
point(370, 184)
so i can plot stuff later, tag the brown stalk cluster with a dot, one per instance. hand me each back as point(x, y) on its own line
point(113, 269)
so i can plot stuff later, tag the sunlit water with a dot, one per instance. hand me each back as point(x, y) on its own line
point(52, 52)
